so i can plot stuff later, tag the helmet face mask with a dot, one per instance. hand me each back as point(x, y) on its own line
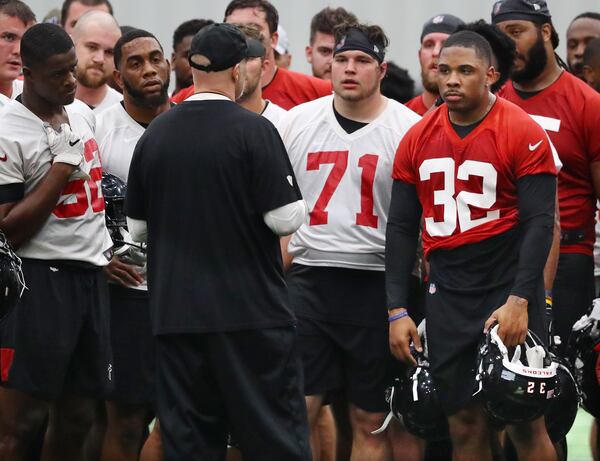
point(516, 385)
point(114, 191)
point(562, 411)
point(12, 281)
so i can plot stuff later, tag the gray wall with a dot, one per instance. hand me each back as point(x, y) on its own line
point(401, 19)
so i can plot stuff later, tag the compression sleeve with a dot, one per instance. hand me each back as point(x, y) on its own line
point(402, 234)
point(287, 219)
point(536, 196)
point(138, 229)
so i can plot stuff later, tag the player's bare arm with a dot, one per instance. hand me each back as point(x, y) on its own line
point(21, 220)
point(403, 332)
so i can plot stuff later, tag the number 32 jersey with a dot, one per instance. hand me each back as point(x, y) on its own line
point(75, 229)
point(468, 187)
point(346, 182)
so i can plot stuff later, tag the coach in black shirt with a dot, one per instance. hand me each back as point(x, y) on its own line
point(211, 188)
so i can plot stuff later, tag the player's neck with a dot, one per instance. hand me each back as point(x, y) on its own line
point(91, 96)
point(429, 98)
point(41, 107)
point(475, 115)
point(254, 103)
point(549, 75)
point(6, 88)
point(144, 114)
point(269, 71)
point(365, 110)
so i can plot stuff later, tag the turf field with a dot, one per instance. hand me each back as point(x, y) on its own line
point(578, 438)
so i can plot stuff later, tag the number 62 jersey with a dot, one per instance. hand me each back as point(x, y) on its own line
point(467, 186)
point(346, 181)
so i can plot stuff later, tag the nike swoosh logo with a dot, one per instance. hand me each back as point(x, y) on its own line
point(73, 143)
point(533, 147)
point(3, 158)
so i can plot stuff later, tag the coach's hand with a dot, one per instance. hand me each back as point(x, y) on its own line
point(123, 274)
point(512, 319)
point(402, 332)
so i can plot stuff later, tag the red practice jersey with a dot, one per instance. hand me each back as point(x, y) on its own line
point(417, 105)
point(468, 187)
point(569, 111)
point(287, 89)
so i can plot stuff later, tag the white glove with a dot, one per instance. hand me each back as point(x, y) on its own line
point(67, 147)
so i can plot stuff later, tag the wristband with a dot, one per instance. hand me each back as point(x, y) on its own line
point(548, 295)
point(398, 316)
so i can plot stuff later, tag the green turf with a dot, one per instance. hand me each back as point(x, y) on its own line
point(579, 438)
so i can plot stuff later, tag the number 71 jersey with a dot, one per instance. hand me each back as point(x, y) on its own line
point(346, 181)
point(468, 187)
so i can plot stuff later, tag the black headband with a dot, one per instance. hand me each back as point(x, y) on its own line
point(356, 39)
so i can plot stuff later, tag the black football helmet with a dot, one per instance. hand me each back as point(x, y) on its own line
point(12, 281)
point(516, 385)
point(114, 191)
point(414, 399)
point(583, 352)
point(562, 410)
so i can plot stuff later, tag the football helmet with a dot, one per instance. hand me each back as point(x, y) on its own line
point(114, 191)
point(414, 399)
point(516, 385)
point(584, 353)
point(562, 410)
point(12, 281)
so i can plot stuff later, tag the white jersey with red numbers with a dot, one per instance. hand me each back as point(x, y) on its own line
point(346, 180)
point(17, 89)
point(75, 229)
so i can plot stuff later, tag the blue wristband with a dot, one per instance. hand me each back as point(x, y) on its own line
point(398, 316)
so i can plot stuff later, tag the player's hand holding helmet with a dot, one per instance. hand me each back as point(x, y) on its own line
point(584, 353)
point(12, 282)
point(516, 383)
point(512, 318)
point(403, 332)
point(68, 147)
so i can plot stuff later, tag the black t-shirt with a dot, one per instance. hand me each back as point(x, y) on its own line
point(202, 176)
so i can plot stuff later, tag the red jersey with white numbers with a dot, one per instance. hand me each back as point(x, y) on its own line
point(468, 187)
point(569, 111)
point(417, 105)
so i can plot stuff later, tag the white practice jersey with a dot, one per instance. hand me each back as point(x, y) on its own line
point(117, 134)
point(75, 230)
point(273, 113)
point(17, 89)
point(112, 97)
point(346, 180)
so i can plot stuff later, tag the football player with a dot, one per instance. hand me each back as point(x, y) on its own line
point(143, 73)
point(319, 52)
point(15, 18)
point(95, 36)
point(72, 10)
point(182, 38)
point(435, 32)
point(487, 203)
point(591, 64)
point(341, 148)
point(56, 352)
point(569, 111)
point(583, 28)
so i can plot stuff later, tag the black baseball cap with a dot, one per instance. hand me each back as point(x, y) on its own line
point(217, 47)
point(525, 10)
point(441, 23)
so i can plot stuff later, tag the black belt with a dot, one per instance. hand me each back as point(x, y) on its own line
point(572, 236)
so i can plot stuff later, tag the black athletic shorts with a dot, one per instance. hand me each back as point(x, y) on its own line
point(134, 352)
point(455, 322)
point(247, 383)
point(572, 293)
point(57, 339)
point(343, 356)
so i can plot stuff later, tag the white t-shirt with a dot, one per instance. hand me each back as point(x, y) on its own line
point(272, 112)
point(75, 230)
point(17, 89)
point(117, 134)
point(346, 180)
point(112, 97)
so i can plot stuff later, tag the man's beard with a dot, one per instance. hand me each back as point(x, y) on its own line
point(248, 90)
point(90, 82)
point(142, 100)
point(535, 62)
point(429, 85)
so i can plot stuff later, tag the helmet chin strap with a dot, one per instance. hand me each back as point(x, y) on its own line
point(390, 415)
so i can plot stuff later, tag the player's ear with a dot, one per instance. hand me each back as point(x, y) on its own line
point(383, 69)
point(308, 51)
point(26, 72)
point(491, 76)
point(118, 78)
